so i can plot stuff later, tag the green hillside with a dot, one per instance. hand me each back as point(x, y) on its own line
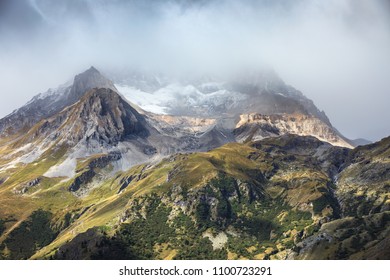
point(285, 197)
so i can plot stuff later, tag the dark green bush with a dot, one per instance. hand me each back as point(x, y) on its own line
point(2, 226)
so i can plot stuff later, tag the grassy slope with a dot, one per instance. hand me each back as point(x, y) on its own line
point(297, 185)
point(364, 186)
point(191, 171)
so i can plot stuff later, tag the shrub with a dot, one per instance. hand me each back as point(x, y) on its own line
point(2, 227)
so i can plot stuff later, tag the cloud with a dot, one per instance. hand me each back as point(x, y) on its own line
point(336, 52)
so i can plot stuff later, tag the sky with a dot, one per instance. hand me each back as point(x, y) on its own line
point(337, 52)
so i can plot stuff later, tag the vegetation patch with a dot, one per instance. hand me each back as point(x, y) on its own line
point(32, 235)
point(2, 226)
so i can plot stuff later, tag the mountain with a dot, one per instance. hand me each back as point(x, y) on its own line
point(81, 123)
point(212, 96)
point(91, 117)
point(231, 100)
point(101, 116)
point(51, 102)
point(86, 118)
point(87, 174)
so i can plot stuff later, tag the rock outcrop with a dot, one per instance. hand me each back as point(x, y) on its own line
point(252, 127)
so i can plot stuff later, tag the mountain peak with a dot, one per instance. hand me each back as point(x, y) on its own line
point(48, 104)
point(87, 80)
point(92, 69)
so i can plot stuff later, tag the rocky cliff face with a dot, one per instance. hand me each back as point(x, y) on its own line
point(100, 115)
point(363, 187)
point(256, 126)
point(364, 183)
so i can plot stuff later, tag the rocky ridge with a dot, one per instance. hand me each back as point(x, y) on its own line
point(257, 126)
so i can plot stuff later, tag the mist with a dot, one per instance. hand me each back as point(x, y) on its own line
point(336, 52)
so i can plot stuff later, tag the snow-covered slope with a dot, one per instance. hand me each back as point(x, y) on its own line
point(208, 96)
point(179, 99)
point(228, 100)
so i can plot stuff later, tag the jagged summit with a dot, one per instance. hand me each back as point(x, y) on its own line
point(87, 80)
point(47, 104)
point(92, 69)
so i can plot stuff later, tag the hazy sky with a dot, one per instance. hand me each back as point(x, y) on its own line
point(337, 52)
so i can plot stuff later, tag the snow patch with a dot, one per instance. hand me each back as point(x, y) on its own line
point(168, 98)
point(56, 93)
point(147, 101)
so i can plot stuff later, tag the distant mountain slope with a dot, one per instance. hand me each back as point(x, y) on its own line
point(208, 96)
point(360, 142)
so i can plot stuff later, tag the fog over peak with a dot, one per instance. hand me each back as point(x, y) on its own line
point(336, 52)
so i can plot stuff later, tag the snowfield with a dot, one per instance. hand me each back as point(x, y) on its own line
point(170, 97)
